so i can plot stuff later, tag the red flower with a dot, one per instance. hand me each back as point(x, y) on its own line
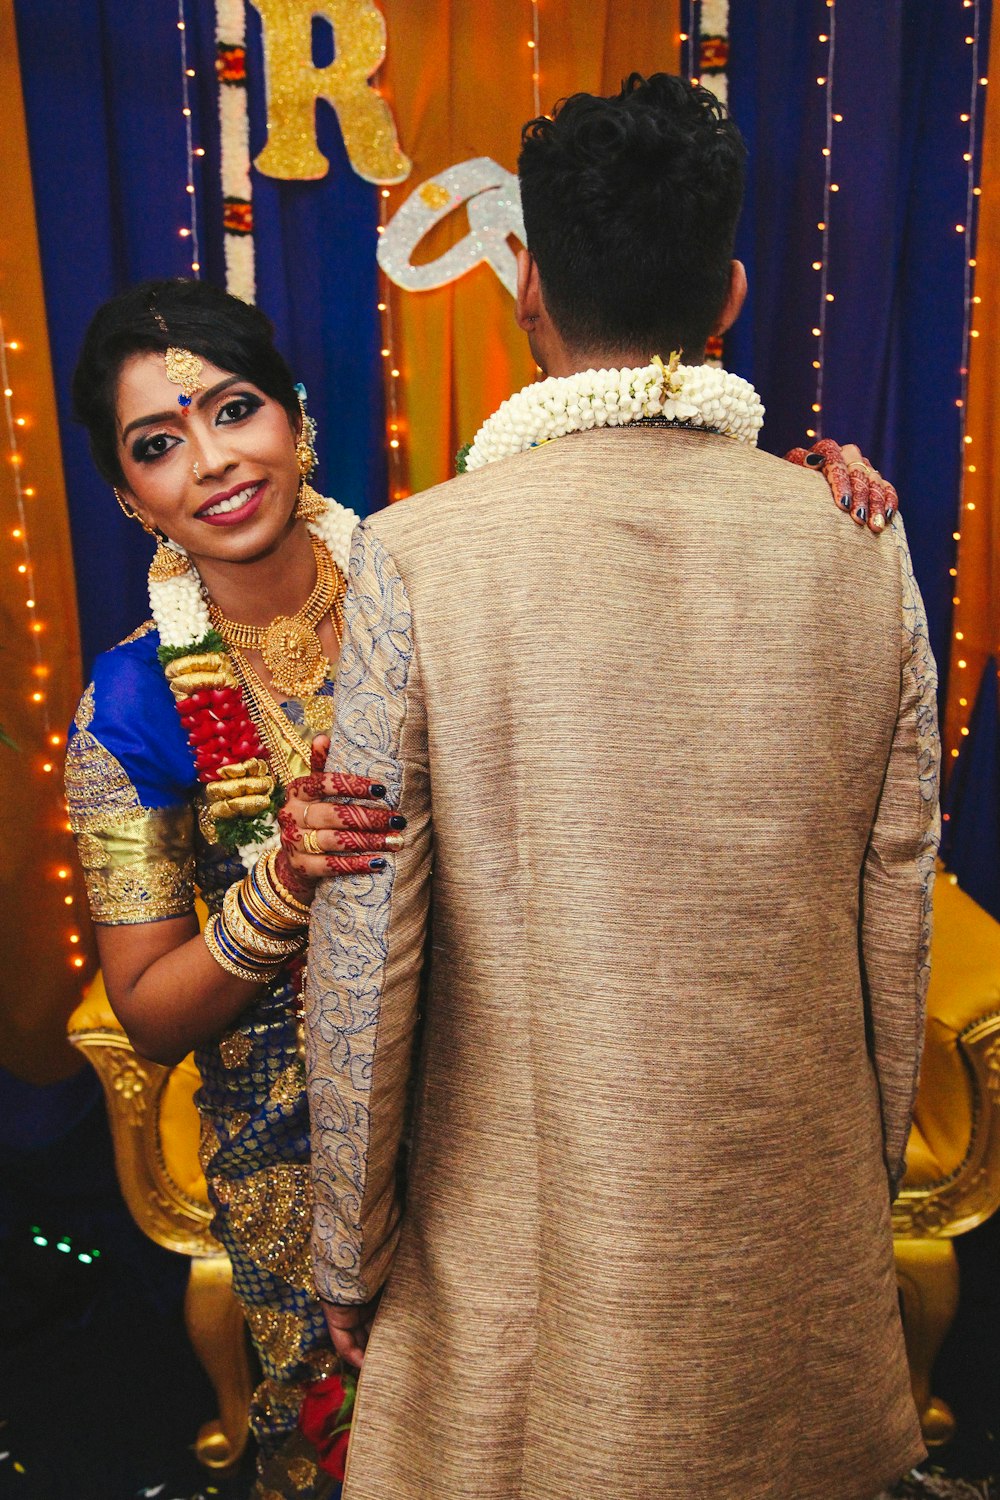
point(334, 1460)
point(325, 1420)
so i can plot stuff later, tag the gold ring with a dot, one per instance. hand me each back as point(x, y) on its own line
point(310, 843)
point(305, 815)
point(857, 464)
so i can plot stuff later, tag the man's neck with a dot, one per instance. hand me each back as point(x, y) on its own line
point(561, 361)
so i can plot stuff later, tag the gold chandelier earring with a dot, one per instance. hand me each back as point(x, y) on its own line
point(133, 515)
point(309, 506)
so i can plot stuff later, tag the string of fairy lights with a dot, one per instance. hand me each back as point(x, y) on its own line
point(689, 42)
point(970, 118)
point(24, 495)
point(535, 48)
point(825, 81)
point(393, 421)
point(188, 231)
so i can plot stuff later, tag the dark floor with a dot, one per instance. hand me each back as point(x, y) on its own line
point(100, 1395)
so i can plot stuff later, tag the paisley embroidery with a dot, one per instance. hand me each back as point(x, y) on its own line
point(919, 665)
point(351, 916)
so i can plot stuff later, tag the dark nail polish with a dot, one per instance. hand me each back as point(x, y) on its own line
point(890, 511)
point(376, 789)
point(397, 821)
point(845, 501)
point(814, 460)
point(861, 514)
point(376, 864)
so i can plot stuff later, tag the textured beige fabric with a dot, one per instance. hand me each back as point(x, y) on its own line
point(640, 691)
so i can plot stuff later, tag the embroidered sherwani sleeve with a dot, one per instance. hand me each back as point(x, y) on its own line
point(898, 877)
point(366, 944)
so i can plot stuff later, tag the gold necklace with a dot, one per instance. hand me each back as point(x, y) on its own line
point(289, 646)
point(274, 727)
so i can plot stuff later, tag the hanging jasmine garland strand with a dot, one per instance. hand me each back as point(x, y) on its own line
point(234, 128)
point(713, 47)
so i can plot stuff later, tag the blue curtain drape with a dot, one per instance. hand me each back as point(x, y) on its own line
point(902, 78)
point(102, 86)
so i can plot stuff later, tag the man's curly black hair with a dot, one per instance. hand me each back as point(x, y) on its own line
point(630, 208)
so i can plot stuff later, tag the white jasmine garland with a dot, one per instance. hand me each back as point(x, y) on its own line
point(700, 396)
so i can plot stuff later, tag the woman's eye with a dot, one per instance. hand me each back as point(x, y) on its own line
point(145, 449)
point(238, 407)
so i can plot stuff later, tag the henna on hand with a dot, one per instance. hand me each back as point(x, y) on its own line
point(321, 784)
point(291, 834)
point(299, 885)
point(351, 864)
point(357, 843)
point(856, 485)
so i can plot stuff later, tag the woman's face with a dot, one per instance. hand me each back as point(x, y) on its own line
point(220, 476)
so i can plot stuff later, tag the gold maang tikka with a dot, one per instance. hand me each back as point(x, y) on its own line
point(183, 367)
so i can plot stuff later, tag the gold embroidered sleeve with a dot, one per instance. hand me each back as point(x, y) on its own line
point(138, 862)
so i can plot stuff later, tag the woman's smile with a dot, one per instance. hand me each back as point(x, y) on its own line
point(232, 506)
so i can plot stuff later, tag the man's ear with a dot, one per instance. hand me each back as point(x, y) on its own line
point(735, 297)
point(528, 303)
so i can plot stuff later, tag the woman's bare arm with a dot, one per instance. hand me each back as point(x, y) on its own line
point(166, 988)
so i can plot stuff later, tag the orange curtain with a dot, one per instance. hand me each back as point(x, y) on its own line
point(42, 903)
point(459, 78)
point(976, 621)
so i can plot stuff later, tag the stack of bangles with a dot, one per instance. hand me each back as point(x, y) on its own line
point(260, 927)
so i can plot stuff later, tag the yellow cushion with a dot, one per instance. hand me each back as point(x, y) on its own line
point(964, 987)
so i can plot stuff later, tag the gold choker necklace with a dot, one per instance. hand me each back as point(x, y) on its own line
point(289, 647)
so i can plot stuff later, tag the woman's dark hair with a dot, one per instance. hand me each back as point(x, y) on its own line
point(630, 208)
point(153, 316)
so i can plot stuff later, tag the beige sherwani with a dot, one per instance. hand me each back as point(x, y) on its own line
point(650, 971)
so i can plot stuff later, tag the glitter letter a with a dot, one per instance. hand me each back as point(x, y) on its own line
point(294, 84)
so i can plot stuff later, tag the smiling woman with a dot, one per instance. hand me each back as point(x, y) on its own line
point(188, 771)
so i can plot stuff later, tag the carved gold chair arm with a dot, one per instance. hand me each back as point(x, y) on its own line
point(134, 1089)
point(155, 1133)
point(967, 1196)
point(952, 1181)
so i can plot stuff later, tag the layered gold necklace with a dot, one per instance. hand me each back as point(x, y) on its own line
point(289, 646)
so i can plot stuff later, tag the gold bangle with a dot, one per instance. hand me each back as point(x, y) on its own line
point(254, 944)
point(222, 958)
point(273, 922)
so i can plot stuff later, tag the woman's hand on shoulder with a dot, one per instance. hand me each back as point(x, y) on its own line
point(332, 824)
point(856, 486)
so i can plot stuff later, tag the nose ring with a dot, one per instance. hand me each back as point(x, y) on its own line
point(194, 470)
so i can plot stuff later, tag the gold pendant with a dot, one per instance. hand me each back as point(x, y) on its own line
point(293, 656)
point(318, 713)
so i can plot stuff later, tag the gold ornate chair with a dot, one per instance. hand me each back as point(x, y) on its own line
point(952, 1180)
point(155, 1130)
